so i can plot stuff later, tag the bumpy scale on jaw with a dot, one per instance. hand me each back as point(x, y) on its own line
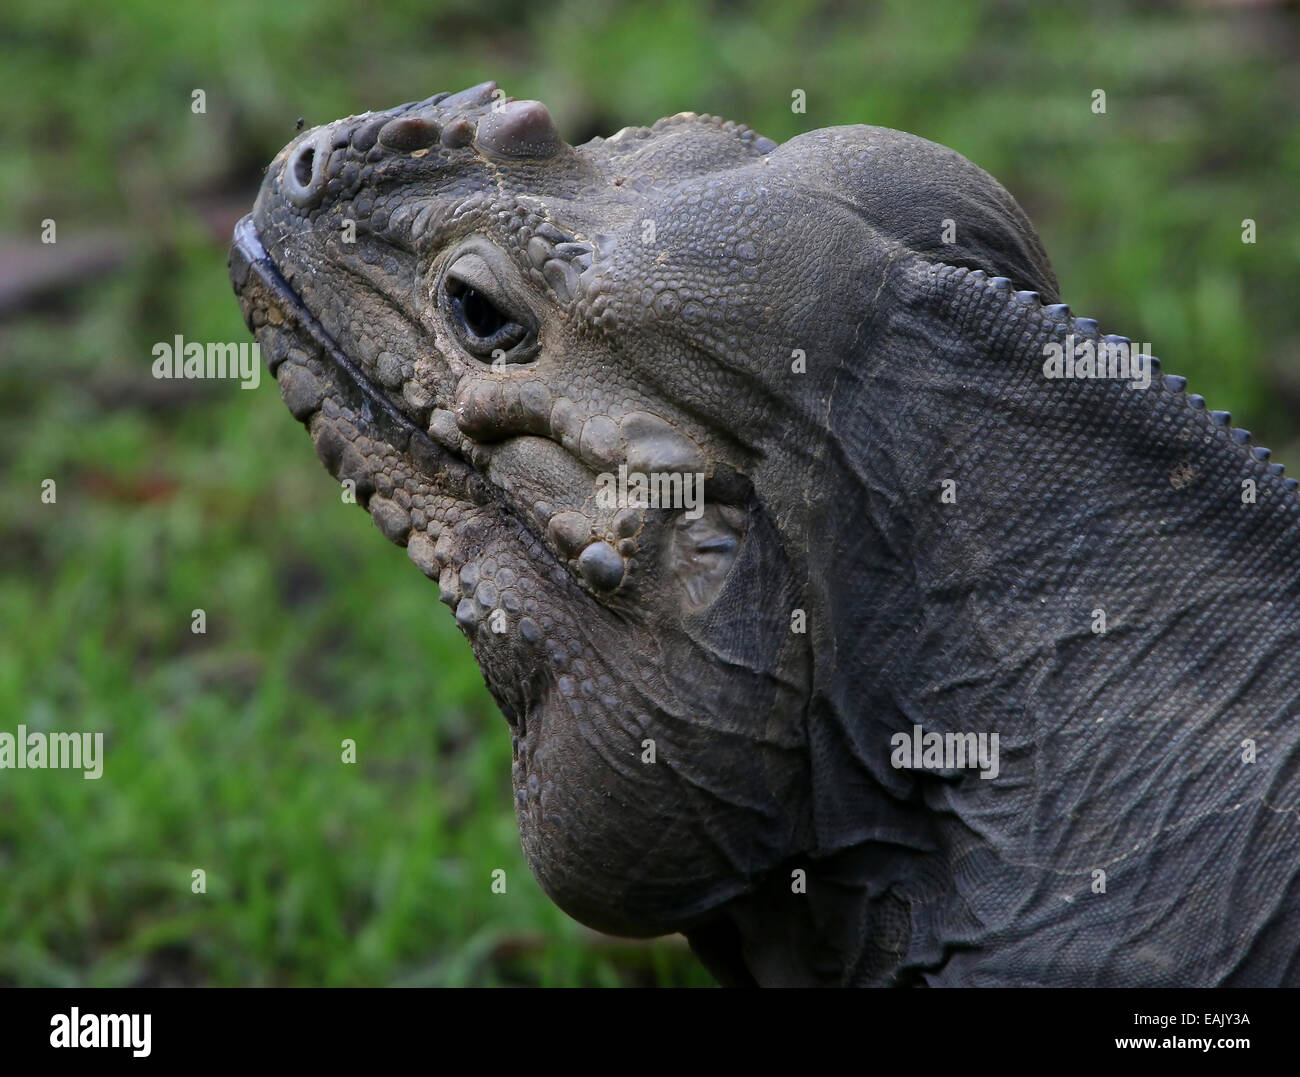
point(487, 330)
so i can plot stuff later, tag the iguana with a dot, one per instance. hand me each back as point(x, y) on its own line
point(916, 530)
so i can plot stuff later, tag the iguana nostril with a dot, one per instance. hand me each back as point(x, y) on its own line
point(302, 173)
point(302, 166)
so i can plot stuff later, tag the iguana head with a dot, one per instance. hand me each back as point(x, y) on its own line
point(509, 344)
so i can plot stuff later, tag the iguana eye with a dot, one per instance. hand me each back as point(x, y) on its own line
point(480, 310)
point(482, 321)
point(476, 311)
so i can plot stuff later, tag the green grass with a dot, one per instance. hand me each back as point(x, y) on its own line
point(223, 749)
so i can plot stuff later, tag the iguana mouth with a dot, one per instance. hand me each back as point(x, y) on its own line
point(248, 256)
point(252, 263)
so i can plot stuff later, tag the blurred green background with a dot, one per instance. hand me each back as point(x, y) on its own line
point(223, 749)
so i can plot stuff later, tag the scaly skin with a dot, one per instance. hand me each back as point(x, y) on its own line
point(648, 296)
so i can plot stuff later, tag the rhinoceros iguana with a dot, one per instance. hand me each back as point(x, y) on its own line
point(855, 609)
